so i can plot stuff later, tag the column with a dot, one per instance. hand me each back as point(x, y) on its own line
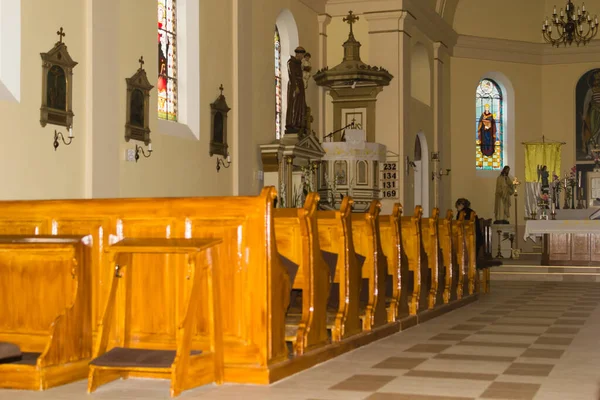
point(439, 50)
point(390, 48)
point(324, 20)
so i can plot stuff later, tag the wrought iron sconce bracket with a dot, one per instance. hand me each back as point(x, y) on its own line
point(59, 135)
point(225, 163)
point(139, 149)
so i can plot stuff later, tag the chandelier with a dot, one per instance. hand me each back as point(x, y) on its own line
point(572, 25)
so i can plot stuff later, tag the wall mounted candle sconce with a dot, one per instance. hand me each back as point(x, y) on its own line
point(58, 135)
point(435, 156)
point(409, 164)
point(440, 173)
point(139, 149)
point(226, 163)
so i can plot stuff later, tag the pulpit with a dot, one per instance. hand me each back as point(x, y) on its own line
point(351, 168)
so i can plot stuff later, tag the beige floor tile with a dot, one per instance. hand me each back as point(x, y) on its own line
point(529, 369)
point(436, 387)
point(508, 390)
point(452, 337)
point(399, 363)
point(451, 375)
point(363, 383)
point(400, 396)
point(562, 330)
point(542, 353)
point(552, 340)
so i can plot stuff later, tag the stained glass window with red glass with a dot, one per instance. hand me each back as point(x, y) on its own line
point(167, 60)
point(278, 90)
point(489, 126)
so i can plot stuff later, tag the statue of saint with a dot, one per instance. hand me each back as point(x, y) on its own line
point(544, 175)
point(486, 131)
point(590, 128)
point(504, 191)
point(295, 118)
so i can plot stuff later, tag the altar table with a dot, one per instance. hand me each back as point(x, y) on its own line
point(567, 242)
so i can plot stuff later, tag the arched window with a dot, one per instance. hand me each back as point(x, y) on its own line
point(489, 126)
point(167, 60)
point(278, 86)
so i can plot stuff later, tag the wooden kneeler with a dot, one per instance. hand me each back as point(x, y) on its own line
point(186, 368)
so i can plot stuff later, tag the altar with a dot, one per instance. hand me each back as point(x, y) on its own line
point(567, 242)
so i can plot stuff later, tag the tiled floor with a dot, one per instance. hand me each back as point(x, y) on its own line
point(526, 340)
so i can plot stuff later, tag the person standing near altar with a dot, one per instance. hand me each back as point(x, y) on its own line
point(505, 189)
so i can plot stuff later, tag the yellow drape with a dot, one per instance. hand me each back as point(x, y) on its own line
point(541, 154)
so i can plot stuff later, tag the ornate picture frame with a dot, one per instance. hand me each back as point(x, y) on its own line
point(57, 85)
point(137, 125)
point(218, 126)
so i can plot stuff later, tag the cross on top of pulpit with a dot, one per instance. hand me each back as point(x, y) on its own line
point(221, 89)
point(351, 19)
point(141, 61)
point(61, 34)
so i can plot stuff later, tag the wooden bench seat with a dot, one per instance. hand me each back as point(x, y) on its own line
point(460, 249)
point(417, 261)
point(449, 257)
point(117, 355)
point(367, 242)
point(397, 264)
point(52, 331)
point(335, 236)
point(297, 240)
point(431, 243)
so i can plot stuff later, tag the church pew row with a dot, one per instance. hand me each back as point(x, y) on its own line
point(254, 281)
point(449, 257)
point(436, 273)
point(256, 284)
point(50, 334)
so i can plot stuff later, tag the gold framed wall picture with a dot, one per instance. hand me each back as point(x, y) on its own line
point(137, 126)
point(218, 126)
point(57, 85)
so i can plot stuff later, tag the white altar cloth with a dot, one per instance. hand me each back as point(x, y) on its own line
point(540, 227)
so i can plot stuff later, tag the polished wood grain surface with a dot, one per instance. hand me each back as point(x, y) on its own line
point(417, 261)
point(298, 240)
point(336, 236)
point(397, 262)
point(188, 370)
point(449, 257)
point(431, 244)
point(367, 242)
point(45, 290)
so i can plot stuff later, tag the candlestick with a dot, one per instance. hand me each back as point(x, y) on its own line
point(579, 180)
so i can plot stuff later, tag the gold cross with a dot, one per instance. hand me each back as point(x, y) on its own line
point(61, 34)
point(221, 89)
point(351, 19)
point(141, 61)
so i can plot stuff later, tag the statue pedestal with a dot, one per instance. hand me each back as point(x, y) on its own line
point(286, 162)
point(505, 230)
point(351, 168)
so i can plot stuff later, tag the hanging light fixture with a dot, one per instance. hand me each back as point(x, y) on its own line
point(572, 25)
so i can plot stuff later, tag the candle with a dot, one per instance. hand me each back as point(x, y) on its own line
point(71, 132)
point(579, 178)
point(228, 158)
point(149, 146)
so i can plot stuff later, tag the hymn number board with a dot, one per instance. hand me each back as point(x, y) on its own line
point(389, 180)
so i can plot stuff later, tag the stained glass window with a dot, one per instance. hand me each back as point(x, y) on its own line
point(167, 60)
point(278, 89)
point(489, 126)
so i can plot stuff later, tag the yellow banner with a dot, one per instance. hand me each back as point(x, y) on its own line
point(539, 154)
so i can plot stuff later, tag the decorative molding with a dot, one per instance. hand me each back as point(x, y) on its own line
point(427, 20)
point(515, 51)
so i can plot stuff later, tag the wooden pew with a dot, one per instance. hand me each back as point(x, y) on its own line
point(460, 249)
point(367, 241)
point(449, 256)
point(257, 285)
point(417, 261)
point(397, 264)
point(335, 236)
point(46, 310)
point(297, 238)
point(471, 252)
point(431, 243)
point(116, 355)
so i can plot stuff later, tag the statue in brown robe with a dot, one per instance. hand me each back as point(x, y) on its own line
point(295, 118)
